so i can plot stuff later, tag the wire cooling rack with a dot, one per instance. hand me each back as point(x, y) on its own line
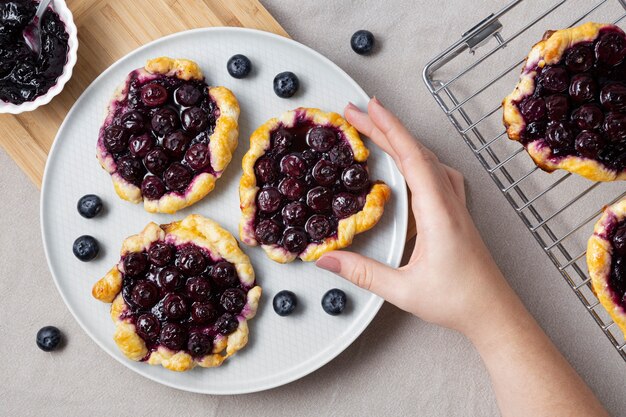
point(469, 80)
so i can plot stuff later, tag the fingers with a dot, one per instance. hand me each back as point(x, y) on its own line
point(363, 272)
point(457, 181)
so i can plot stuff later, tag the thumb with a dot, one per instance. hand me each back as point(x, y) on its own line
point(361, 271)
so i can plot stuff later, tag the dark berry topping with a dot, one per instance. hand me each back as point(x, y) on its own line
point(194, 120)
point(611, 49)
point(589, 144)
point(233, 300)
point(345, 205)
point(267, 232)
point(554, 79)
point(293, 165)
point(613, 97)
point(295, 240)
point(318, 227)
point(85, 248)
point(355, 178)
point(204, 312)
point(269, 199)
point(362, 42)
point(133, 122)
point(579, 58)
point(557, 106)
point(619, 240)
point(152, 187)
point(153, 95)
point(130, 169)
point(265, 170)
point(161, 254)
point(145, 294)
point(135, 264)
point(226, 324)
point(191, 261)
point(148, 326)
point(615, 126)
point(141, 145)
point(588, 117)
point(177, 177)
point(583, 88)
point(533, 109)
point(198, 156)
point(560, 136)
point(187, 95)
point(334, 302)
point(174, 306)
point(239, 66)
point(175, 144)
point(292, 189)
point(321, 139)
point(89, 206)
point(156, 161)
point(319, 199)
point(48, 338)
point(173, 336)
point(535, 130)
point(198, 288)
point(325, 172)
point(282, 139)
point(341, 155)
point(286, 84)
point(284, 303)
point(199, 344)
point(295, 214)
point(164, 121)
point(170, 278)
point(224, 274)
point(116, 138)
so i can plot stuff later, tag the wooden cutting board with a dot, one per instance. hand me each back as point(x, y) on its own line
point(108, 30)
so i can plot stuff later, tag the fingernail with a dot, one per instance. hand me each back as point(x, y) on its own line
point(329, 263)
point(351, 106)
point(377, 101)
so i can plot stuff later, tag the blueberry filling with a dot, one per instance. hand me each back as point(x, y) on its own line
point(180, 297)
point(308, 181)
point(579, 104)
point(159, 135)
point(617, 279)
point(24, 76)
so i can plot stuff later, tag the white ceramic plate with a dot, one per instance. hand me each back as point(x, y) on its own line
point(281, 349)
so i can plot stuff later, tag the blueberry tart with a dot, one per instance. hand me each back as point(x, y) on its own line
point(181, 294)
point(168, 136)
point(606, 260)
point(305, 188)
point(569, 107)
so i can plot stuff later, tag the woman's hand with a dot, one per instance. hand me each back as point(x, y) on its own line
point(451, 274)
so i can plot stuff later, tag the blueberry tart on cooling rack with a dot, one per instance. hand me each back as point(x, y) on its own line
point(168, 136)
point(606, 260)
point(569, 107)
point(305, 188)
point(181, 294)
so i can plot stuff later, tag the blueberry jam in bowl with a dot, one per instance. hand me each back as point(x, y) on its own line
point(26, 80)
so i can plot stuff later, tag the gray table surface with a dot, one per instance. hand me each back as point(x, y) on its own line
point(400, 365)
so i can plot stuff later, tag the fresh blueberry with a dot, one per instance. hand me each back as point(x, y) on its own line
point(362, 42)
point(286, 84)
point(48, 338)
point(89, 206)
point(239, 66)
point(285, 302)
point(86, 248)
point(334, 302)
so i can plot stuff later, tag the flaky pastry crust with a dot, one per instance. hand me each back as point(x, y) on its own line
point(206, 234)
point(222, 144)
point(599, 258)
point(347, 228)
point(550, 51)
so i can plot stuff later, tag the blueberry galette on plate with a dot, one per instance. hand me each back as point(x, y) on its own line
point(569, 107)
point(182, 294)
point(606, 260)
point(168, 136)
point(305, 188)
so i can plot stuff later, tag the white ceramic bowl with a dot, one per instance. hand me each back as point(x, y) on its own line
point(66, 16)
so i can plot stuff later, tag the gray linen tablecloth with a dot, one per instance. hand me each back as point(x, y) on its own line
point(400, 365)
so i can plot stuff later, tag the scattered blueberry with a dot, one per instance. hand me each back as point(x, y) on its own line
point(239, 66)
point(285, 302)
point(286, 84)
point(362, 42)
point(86, 248)
point(334, 302)
point(48, 338)
point(89, 206)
